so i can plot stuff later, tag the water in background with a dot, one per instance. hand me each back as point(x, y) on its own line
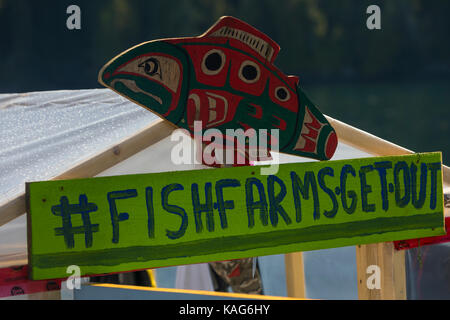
point(414, 115)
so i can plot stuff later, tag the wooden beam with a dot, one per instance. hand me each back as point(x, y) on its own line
point(153, 133)
point(374, 145)
point(391, 265)
point(295, 275)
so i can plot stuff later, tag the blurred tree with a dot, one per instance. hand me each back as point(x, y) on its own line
point(322, 41)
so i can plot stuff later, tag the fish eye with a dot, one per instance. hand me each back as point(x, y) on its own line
point(151, 66)
point(249, 72)
point(282, 93)
point(213, 62)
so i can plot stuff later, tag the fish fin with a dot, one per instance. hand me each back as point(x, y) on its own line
point(294, 81)
point(233, 28)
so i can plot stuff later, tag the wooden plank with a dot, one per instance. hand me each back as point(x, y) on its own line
point(372, 144)
point(105, 159)
point(391, 264)
point(130, 223)
point(15, 259)
point(295, 275)
point(119, 292)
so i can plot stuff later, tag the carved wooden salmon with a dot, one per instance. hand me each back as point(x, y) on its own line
point(226, 79)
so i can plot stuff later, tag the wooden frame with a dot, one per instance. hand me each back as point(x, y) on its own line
point(391, 261)
point(391, 264)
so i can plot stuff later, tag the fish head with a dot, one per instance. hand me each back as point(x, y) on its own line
point(151, 74)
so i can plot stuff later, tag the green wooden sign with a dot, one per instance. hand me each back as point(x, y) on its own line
point(130, 222)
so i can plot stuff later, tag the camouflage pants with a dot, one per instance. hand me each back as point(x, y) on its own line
point(237, 274)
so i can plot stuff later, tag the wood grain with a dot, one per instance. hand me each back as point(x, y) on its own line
point(295, 275)
point(392, 266)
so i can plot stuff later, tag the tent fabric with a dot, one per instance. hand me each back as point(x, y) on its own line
point(45, 133)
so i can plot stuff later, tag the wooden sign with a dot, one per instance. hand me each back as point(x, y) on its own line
point(130, 222)
point(225, 79)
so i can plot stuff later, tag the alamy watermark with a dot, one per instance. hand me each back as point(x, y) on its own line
point(74, 280)
point(374, 280)
point(73, 21)
point(373, 22)
point(235, 147)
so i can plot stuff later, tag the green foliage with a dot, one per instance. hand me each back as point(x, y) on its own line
point(321, 40)
point(413, 115)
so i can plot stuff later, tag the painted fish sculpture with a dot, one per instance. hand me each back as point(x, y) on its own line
point(226, 79)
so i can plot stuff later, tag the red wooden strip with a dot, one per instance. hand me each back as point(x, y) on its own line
point(14, 281)
point(414, 243)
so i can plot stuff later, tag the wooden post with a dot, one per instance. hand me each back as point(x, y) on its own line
point(392, 272)
point(295, 275)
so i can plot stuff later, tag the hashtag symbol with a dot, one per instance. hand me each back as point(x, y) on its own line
point(65, 211)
